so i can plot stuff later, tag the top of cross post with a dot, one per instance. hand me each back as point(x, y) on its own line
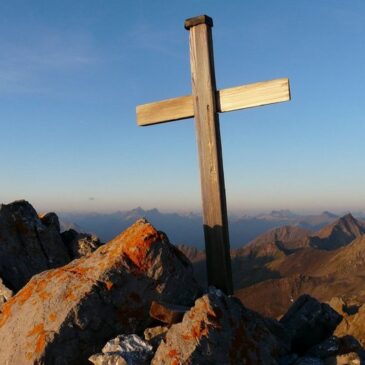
point(201, 19)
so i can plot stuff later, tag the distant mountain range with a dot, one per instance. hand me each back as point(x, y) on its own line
point(187, 229)
point(328, 263)
point(274, 269)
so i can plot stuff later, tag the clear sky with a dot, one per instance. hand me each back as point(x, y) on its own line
point(72, 73)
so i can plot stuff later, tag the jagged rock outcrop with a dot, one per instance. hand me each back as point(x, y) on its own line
point(353, 322)
point(63, 316)
point(5, 293)
point(154, 335)
point(218, 330)
point(28, 244)
point(80, 244)
point(51, 220)
point(338, 234)
point(124, 350)
point(309, 322)
point(334, 346)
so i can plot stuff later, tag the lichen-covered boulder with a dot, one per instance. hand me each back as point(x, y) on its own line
point(218, 330)
point(28, 244)
point(63, 316)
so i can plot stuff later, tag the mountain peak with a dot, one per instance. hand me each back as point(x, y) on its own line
point(282, 213)
point(329, 214)
point(348, 218)
point(340, 233)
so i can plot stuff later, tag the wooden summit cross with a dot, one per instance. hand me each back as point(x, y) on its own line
point(204, 104)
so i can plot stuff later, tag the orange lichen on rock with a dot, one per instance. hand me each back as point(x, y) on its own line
point(36, 330)
point(199, 330)
point(6, 312)
point(36, 285)
point(39, 331)
point(69, 295)
point(41, 285)
point(41, 342)
point(44, 295)
point(174, 355)
point(20, 299)
point(25, 293)
point(78, 270)
point(52, 317)
point(136, 241)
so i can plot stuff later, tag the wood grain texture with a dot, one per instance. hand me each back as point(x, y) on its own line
point(165, 111)
point(210, 159)
point(251, 95)
point(234, 98)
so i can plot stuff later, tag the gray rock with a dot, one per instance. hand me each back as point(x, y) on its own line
point(80, 244)
point(107, 359)
point(333, 346)
point(218, 330)
point(28, 244)
point(65, 315)
point(51, 220)
point(5, 293)
point(327, 348)
point(130, 348)
point(309, 322)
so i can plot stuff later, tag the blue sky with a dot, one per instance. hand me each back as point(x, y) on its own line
point(72, 73)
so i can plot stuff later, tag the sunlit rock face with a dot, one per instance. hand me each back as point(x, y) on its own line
point(219, 330)
point(63, 316)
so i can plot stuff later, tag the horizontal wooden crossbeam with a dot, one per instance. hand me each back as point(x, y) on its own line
point(234, 98)
point(165, 111)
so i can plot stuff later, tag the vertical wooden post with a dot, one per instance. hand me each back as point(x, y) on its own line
point(210, 153)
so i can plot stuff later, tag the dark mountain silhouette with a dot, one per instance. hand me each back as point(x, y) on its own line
point(338, 234)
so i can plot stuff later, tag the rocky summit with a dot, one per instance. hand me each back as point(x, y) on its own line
point(135, 301)
point(68, 313)
point(29, 244)
point(32, 243)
